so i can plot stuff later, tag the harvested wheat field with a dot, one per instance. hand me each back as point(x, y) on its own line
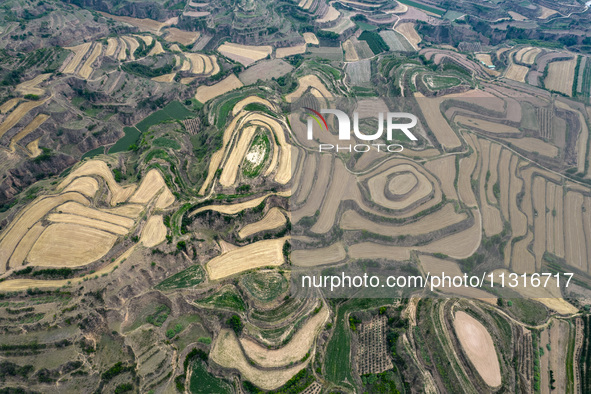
point(8, 105)
point(128, 210)
point(75, 208)
point(28, 129)
point(79, 53)
point(546, 12)
point(445, 170)
point(85, 185)
point(290, 51)
point(245, 54)
point(295, 350)
point(183, 37)
point(236, 156)
point(111, 46)
point(206, 93)
point(70, 245)
point(309, 81)
point(370, 250)
point(409, 32)
point(33, 148)
point(249, 100)
point(88, 222)
point(99, 168)
point(484, 58)
point(156, 50)
point(30, 87)
point(516, 72)
point(311, 39)
point(122, 55)
point(151, 184)
point(561, 75)
point(436, 122)
point(485, 125)
point(256, 255)
point(24, 246)
point(575, 242)
point(226, 352)
point(386, 180)
point(479, 347)
point(154, 232)
point(132, 45)
point(17, 114)
point(350, 52)
point(86, 69)
point(534, 145)
point(143, 24)
point(459, 245)
point(527, 55)
point(168, 78)
point(235, 208)
point(146, 39)
point(272, 220)
point(319, 256)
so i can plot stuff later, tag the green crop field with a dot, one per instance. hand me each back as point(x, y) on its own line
point(131, 137)
point(188, 278)
point(423, 7)
point(203, 382)
point(265, 286)
point(375, 41)
point(92, 153)
point(172, 111)
point(227, 298)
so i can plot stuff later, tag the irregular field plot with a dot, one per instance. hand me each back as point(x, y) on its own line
point(561, 76)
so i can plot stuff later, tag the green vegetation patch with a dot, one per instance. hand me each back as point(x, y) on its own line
point(190, 277)
point(375, 41)
point(227, 298)
point(528, 311)
point(257, 155)
point(204, 382)
point(264, 286)
point(159, 317)
point(172, 111)
point(166, 143)
point(437, 82)
point(128, 141)
point(423, 7)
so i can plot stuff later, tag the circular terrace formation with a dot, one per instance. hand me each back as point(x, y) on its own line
point(399, 187)
point(401, 184)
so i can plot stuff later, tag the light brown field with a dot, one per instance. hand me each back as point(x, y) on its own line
point(24, 246)
point(7, 106)
point(27, 218)
point(249, 100)
point(256, 255)
point(226, 352)
point(561, 75)
point(546, 12)
point(245, 54)
point(436, 122)
point(311, 39)
point(516, 16)
point(484, 58)
point(438, 220)
point(485, 125)
point(370, 250)
point(467, 166)
point(587, 224)
point(283, 166)
point(143, 24)
point(290, 51)
point(33, 148)
point(409, 32)
point(79, 53)
point(181, 36)
point(15, 116)
point(309, 81)
point(86, 68)
point(294, 351)
point(168, 78)
point(330, 15)
point(522, 260)
point(111, 46)
point(128, 210)
point(154, 232)
point(157, 49)
point(86, 186)
point(206, 93)
point(459, 245)
point(75, 208)
point(165, 199)
point(495, 152)
point(527, 55)
point(235, 208)
point(272, 220)
point(550, 193)
point(518, 218)
point(516, 72)
point(28, 129)
point(491, 217)
point(504, 178)
point(150, 186)
point(479, 347)
point(122, 55)
point(340, 182)
point(534, 145)
point(318, 256)
point(99, 168)
point(574, 235)
point(236, 156)
point(84, 221)
point(146, 39)
point(377, 185)
point(539, 205)
point(30, 87)
point(132, 45)
point(436, 266)
point(70, 245)
point(350, 52)
point(445, 170)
